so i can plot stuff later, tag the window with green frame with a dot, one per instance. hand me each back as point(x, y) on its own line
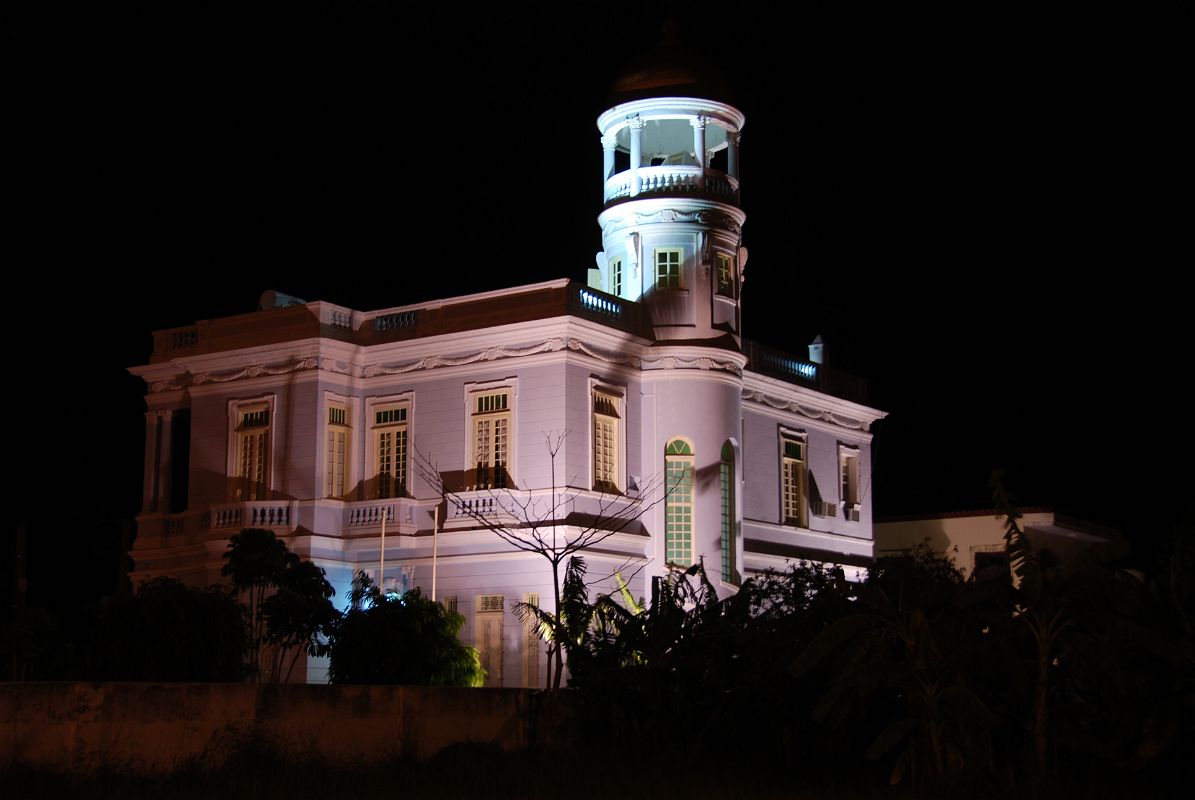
point(668, 267)
point(793, 480)
point(616, 277)
point(725, 275)
point(726, 487)
point(678, 504)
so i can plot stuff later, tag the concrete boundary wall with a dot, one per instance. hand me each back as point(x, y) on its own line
point(156, 728)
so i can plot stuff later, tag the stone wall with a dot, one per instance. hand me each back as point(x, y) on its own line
point(156, 728)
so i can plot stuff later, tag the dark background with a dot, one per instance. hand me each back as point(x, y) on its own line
point(984, 211)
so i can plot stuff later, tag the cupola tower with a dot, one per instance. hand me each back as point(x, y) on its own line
point(671, 222)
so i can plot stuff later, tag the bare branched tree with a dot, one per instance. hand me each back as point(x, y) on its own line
point(547, 522)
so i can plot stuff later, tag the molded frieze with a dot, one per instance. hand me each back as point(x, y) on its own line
point(753, 396)
point(555, 344)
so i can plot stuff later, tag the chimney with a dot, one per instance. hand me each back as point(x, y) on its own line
point(817, 350)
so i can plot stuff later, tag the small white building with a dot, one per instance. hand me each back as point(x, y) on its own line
point(306, 418)
point(974, 540)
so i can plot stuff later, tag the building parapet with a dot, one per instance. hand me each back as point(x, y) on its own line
point(778, 364)
point(364, 328)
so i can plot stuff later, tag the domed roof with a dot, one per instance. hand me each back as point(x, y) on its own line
point(670, 69)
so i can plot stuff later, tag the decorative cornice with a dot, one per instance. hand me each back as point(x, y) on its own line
point(603, 355)
point(653, 209)
point(672, 215)
point(256, 370)
point(186, 379)
point(806, 411)
point(495, 353)
point(172, 384)
point(694, 362)
point(488, 354)
point(337, 366)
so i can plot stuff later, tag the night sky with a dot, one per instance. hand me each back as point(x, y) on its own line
point(981, 211)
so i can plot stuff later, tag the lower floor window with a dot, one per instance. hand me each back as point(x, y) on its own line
point(678, 505)
point(726, 490)
point(489, 615)
point(793, 481)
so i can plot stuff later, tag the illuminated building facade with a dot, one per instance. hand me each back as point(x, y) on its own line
point(308, 418)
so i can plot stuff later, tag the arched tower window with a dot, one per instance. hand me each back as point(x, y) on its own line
point(678, 506)
point(726, 487)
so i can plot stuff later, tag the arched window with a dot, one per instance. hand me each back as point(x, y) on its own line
point(678, 507)
point(726, 487)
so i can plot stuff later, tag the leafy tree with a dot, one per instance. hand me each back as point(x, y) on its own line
point(167, 631)
point(400, 639)
point(297, 615)
point(546, 524)
point(288, 600)
point(33, 645)
point(689, 661)
point(1105, 659)
point(904, 653)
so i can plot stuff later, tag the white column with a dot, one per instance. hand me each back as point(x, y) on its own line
point(636, 126)
point(732, 154)
point(149, 495)
point(609, 144)
point(165, 459)
point(698, 124)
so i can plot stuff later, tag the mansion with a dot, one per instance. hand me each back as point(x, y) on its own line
point(368, 439)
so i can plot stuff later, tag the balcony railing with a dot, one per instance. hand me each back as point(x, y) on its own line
point(778, 364)
point(395, 320)
point(255, 514)
point(493, 506)
point(370, 514)
point(674, 179)
point(600, 304)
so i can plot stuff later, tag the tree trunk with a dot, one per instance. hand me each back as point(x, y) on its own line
point(555, 669)
point(1040, 707)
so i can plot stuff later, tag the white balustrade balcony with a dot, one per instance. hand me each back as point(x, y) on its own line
point(256, 514)
point(370, 513)
point(674, 179)
point(477, 507)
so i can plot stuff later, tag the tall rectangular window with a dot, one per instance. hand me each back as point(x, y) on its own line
point(668, 267)
point(252, 452)
point(793, 480)
point(725, 275)
point(491, 438)
point(531, 644)
point(606, 436)
point(616, 277)
point(337, 456)
point(390, 449)
point(726, 489)
point(180, 460)
point(678, 503)
point(848, 464)
point(489, 613)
